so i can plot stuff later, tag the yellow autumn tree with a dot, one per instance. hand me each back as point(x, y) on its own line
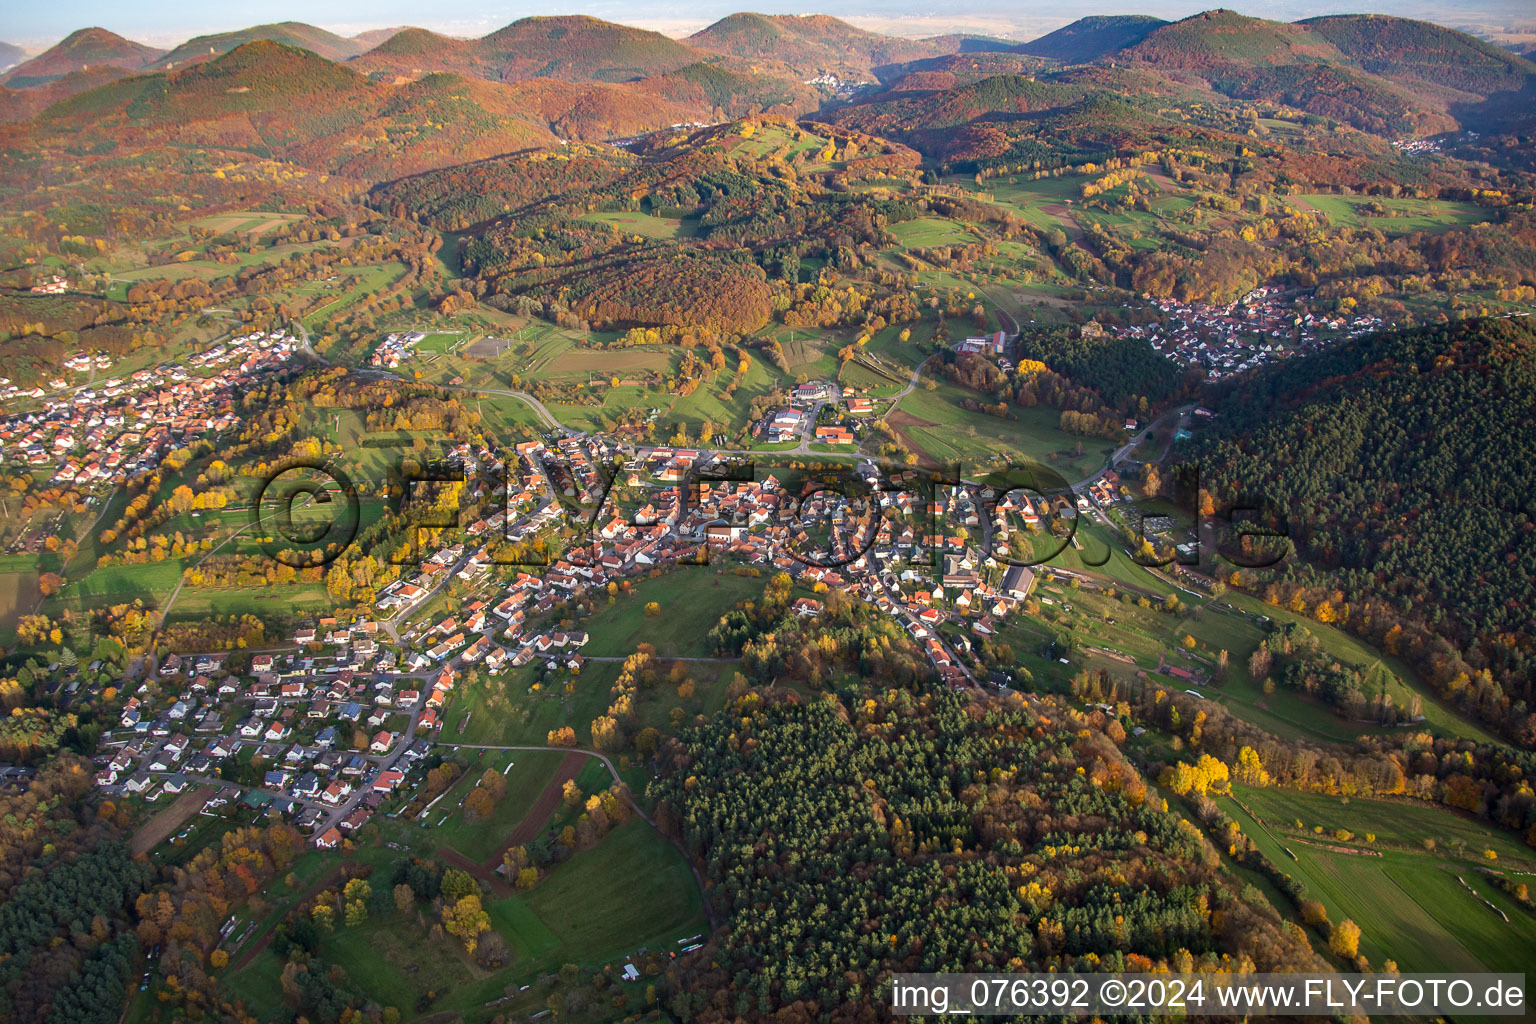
point(1344, 940)
point(466, 919)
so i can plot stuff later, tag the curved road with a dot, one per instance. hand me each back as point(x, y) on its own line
point(537, 406)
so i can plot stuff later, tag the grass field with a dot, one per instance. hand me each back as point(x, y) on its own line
point(632, 890)
point(200, 602)
point(706, 402)
point(691, 600)
point(1407, 215)
point(530, 772)
point(925, 232)
point(1399, 825)
point(114, 584)
point(208, 269)
point(508, 711)
point(781, 142)
point(1399, 677)
point(936, 424)
point(440, 341)
point(1030, 199)
point(1408, 902)
point(1230, 623)
point(332, 297)
point(643, 224)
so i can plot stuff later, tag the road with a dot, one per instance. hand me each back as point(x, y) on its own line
point(1124, 451)
point(538, 407)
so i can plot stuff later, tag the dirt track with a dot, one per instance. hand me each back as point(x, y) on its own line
point(164, 824)
point(526, 830)
point(325, 881)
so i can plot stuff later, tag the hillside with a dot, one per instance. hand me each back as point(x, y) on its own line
point(1220, 37)
point(1398, 435)
point(813, 44)
point(572, 49)
point(79, 51)
point(289, 33)
point(10, 56)
point(268, 99)
point(417, 42)
point(376, 37)
point(1257, 60)
point(956, 69)
point(1000, 95)
point(1013, 118)
point(24, 104)
point(1092, 38)
point(1420, 52)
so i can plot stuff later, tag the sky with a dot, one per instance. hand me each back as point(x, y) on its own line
point(167, 22)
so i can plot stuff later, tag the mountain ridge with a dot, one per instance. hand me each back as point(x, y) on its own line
point(81, 50)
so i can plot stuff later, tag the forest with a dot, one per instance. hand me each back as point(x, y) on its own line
point(876, 831)
point(1391, 462)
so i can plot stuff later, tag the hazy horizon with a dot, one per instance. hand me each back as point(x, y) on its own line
point(168, 24)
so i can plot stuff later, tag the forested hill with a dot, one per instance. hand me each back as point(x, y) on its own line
point(813, 44)
point(85, 48)
point(1402, 460)
point(1093, 37)
point(289, 33)
point(904, 832)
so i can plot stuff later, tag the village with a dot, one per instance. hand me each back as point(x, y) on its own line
point(346, 716)
point(1259, 328)
point(109, 431)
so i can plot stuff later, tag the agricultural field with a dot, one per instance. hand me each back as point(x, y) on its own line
point(1416, 891)
point(248, 222)
point(18, 595)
